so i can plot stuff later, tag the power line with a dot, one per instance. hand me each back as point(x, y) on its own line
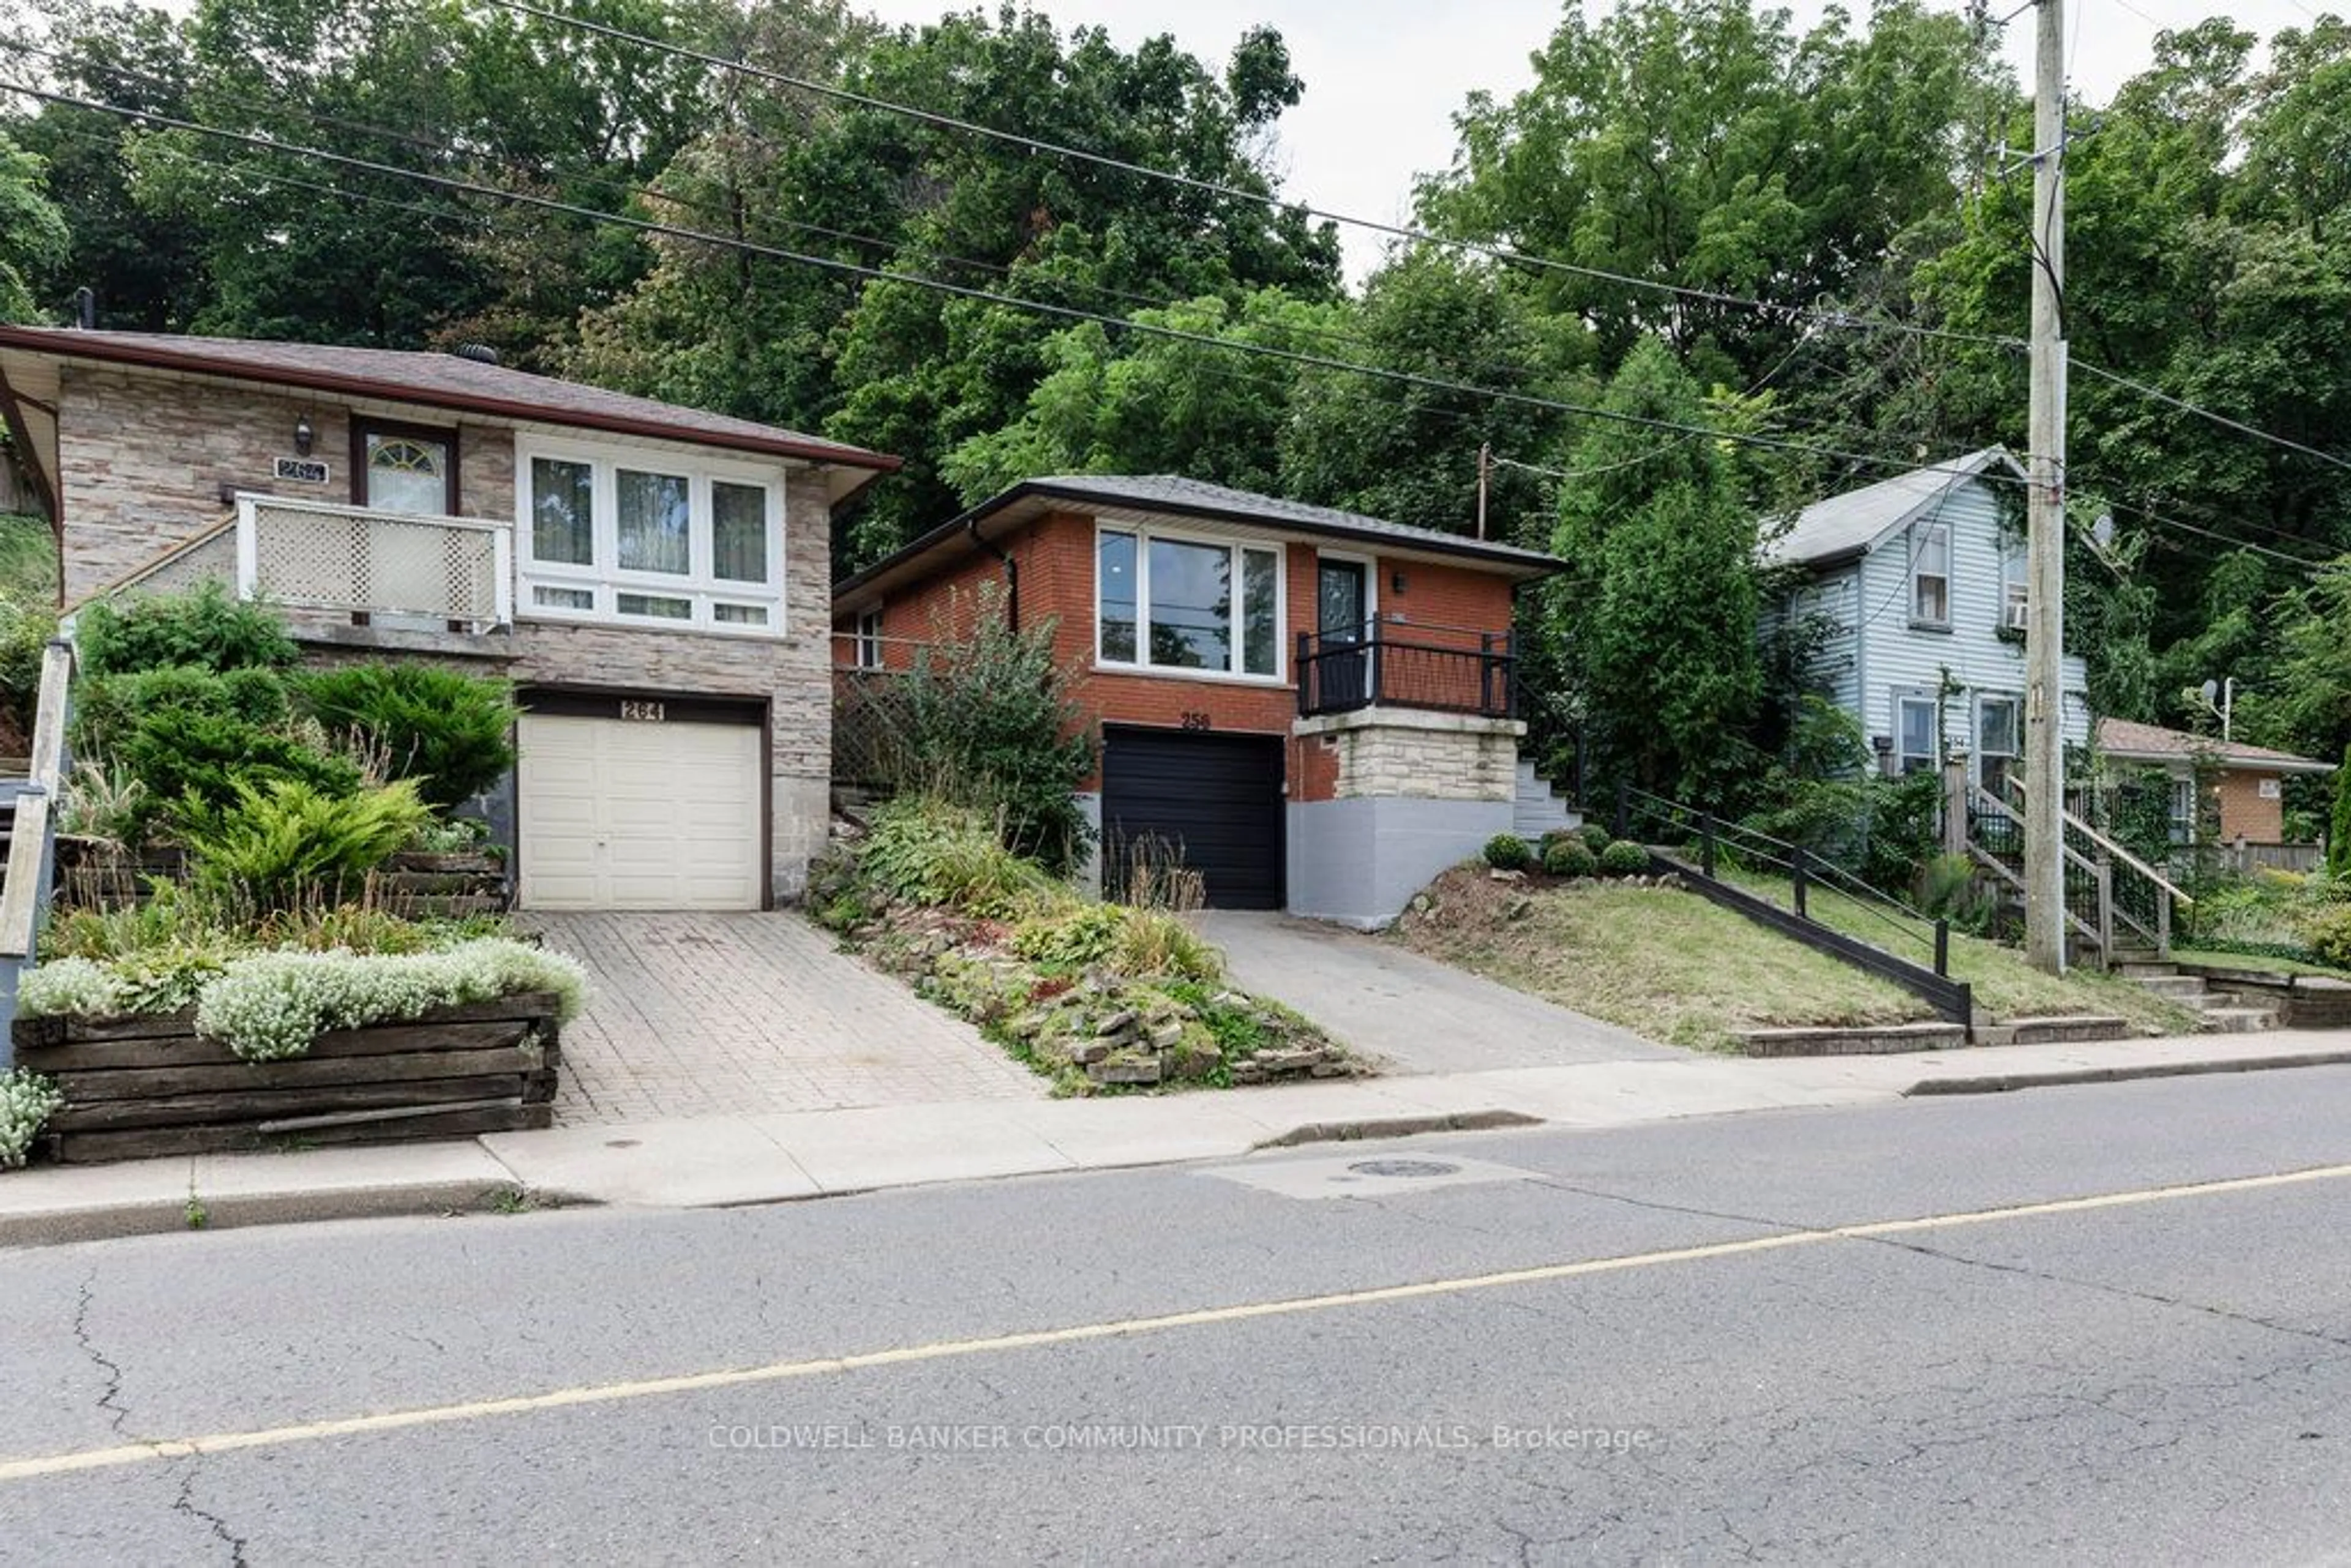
point(1686, 431)
point(451, 156)
point(877, 273)
point(1825, 316)
point(2159, 395)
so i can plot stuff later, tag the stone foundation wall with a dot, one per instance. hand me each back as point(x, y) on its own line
point(1402, 753)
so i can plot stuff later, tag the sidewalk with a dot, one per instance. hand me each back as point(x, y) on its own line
point(734, 1159)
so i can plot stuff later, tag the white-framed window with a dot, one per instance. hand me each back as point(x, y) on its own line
point(1931, 574)
point(2184, 813)
point(647, 538)
point(1916, 746)
point(868, 641)
point(1187, 602)
point(2000, 735)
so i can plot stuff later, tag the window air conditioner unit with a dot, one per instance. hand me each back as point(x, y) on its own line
point(2015, 613)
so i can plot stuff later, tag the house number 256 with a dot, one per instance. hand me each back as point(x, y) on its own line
point(644, 712)
point(1197, 721)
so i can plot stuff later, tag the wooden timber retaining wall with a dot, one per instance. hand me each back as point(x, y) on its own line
point(142, 1087)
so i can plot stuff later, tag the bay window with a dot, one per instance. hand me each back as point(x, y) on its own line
point(1173, 602)
point(651, 538)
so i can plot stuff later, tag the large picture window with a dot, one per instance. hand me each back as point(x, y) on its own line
point(651, 539)
point(1171, 603)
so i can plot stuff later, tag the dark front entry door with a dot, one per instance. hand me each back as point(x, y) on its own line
point(1342, 615)
point(1212, 801)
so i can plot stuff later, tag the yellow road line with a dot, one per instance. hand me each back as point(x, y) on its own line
point(1079, 1333)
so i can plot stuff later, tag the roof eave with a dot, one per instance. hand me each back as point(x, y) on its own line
point(150, 357)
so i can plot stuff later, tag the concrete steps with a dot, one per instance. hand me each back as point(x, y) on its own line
point(2221, 1013)
point(1538, 807)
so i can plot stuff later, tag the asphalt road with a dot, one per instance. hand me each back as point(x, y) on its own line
point(2023, 1328)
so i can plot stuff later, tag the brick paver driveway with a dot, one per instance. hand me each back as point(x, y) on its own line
point(716, 1014)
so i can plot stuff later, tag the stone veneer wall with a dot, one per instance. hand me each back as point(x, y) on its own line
point(142, 459)
point(1423, 756)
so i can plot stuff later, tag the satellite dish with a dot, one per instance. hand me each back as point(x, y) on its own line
point(2211, 690)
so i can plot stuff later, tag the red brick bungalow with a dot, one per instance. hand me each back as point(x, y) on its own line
point(2247, 782)
point(1315, 708)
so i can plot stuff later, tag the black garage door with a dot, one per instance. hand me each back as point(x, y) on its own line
point(1216, 799)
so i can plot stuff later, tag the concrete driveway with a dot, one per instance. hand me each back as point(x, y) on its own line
point(1418, 1014)
point(723, 1014)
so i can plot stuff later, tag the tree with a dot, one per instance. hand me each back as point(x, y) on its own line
point(1392, 449)
point(32, 232)
point(1655, 619)
point(1705, 145)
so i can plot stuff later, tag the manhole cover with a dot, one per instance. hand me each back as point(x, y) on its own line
point(1404, 1168)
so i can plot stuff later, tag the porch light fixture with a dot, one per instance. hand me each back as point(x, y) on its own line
point(1395, 582)
point(303, 434)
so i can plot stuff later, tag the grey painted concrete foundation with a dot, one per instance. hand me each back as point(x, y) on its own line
point(1358, 862)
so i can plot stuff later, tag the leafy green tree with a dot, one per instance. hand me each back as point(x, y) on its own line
point(1655, 615)
point(32, 232)
point(1707, 145)
point(1396, 450)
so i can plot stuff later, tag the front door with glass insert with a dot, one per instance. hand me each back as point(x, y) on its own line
point(411, 472)
point(1342, 616)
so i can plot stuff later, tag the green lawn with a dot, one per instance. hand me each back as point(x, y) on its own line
point(2005, 984)
point(1666, 965)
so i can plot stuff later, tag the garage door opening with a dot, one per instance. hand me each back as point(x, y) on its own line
point(663, 809)
point(1212, 802)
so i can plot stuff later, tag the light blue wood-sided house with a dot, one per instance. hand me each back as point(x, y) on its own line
point(1920, 581)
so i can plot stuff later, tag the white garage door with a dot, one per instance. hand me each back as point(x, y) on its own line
point(618, 814)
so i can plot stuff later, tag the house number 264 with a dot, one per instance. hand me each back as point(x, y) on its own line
point(645, 712)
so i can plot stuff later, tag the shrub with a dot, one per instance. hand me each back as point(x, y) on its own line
point(453, 733)
point(1950, 888)
point(924, 851)
point(1596, 838)
point(1072, 940)
point(990, 724)
point(1569, 857)
point(2338, 837)
point(273, 1005)
point(1507, 852)
point(26, 1100)
point(182, 734)
point(72, 988)
point(287, 844)
point(1153, 942)
point(1623, 858)
point(205, 628)
point(25, 633)
point(2328, 931)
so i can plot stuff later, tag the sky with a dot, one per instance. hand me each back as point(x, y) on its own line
point(1384, 78)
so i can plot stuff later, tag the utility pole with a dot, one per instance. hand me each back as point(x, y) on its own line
point(2044, 637)
point(1485, 467)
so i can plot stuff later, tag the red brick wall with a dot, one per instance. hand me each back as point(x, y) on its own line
point(2244, 814)
point(1442, 605)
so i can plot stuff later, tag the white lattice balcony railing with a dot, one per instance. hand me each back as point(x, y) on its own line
point(315, 556)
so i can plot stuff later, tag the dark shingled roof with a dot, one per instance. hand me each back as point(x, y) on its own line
point(1172, 494)
point(438, 380)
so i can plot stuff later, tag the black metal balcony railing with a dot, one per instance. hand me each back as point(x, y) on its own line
point(1430, 667)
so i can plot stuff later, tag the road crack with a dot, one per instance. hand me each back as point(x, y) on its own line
point(186, 1503)
point(109, 1398)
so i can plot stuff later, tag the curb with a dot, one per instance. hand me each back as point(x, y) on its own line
point(1397, 1127)
point(162, 1217)
point(2002, 1083)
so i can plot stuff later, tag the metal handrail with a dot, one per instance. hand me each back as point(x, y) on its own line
point(1805, 866)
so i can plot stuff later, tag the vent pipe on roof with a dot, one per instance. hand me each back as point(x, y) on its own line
point(480, 353)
